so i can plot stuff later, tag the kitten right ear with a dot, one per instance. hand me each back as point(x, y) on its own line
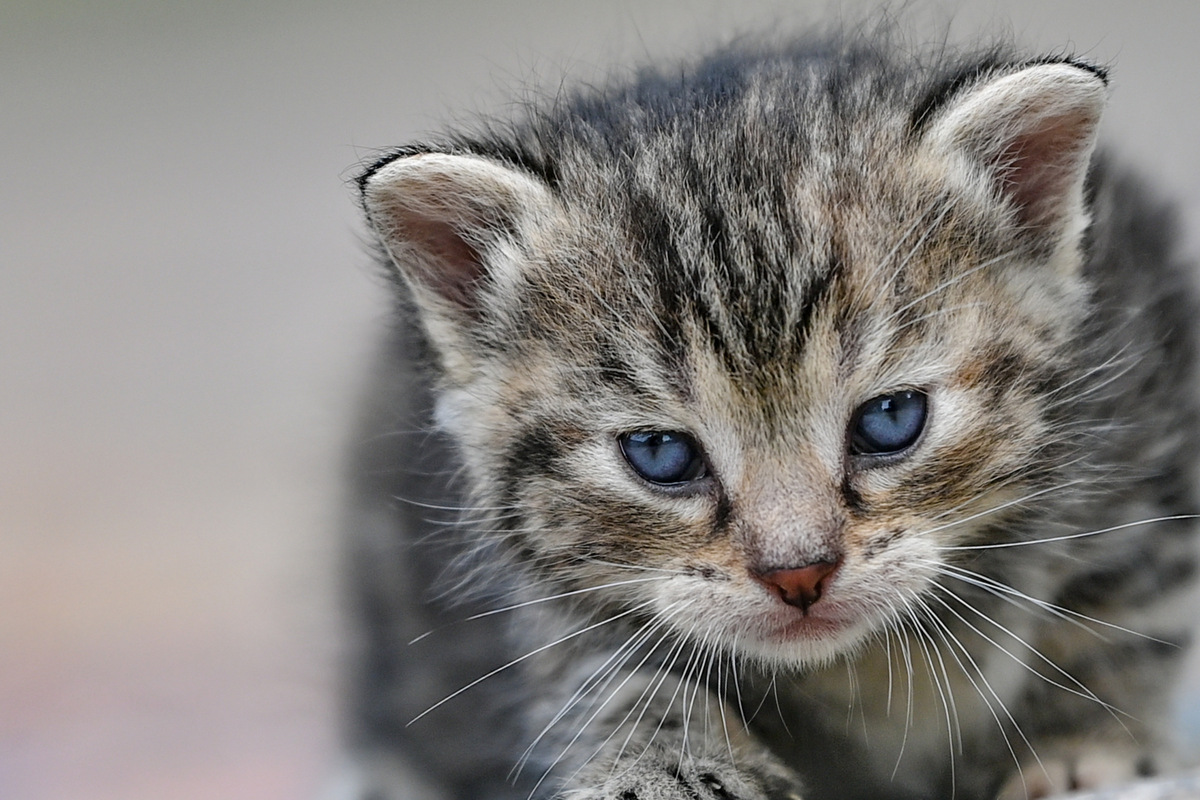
point(454, 225)
point(1032, 131)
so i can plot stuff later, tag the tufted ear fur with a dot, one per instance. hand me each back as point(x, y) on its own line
point(1030, 134)
point(457, 227)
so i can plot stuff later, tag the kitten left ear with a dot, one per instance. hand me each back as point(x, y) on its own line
point(1032, 131)
point(455, 225)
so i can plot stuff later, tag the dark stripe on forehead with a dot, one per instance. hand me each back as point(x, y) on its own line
point(722, 341)
point(738, 276)
point(816, 295)
point(652, 232)
point(760, 321)
point(614, 368)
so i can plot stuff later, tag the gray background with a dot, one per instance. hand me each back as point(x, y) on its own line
point(186, 312)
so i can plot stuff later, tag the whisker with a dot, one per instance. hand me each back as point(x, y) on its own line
point(774, 691)
point(616, 660)
point(907, 656)
point(690, 704)
point(1010, 503)
point(1012, 595)
point(1082, 691)
point(572, 593)
point(909, 700)
point(662, 619)
point(721, 710)
point(946, 284)
point(929, 229)
point(679, 686)
point(460, 509)
point(938, 313)
point(650, 692)
point(534, 602)
point(953, 642)
point(953, 735)
point(887, 652)
point(762, 701)
point(619, 565)
point(852, 685)
point(737, 682)
point(1069, 536)
point(529, 655)
point(1115, 358)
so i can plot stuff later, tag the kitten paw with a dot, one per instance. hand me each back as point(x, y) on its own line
point(701, 780)
point(1088, 768)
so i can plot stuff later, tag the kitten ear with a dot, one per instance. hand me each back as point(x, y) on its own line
point(454, 224)
point(1032, 131)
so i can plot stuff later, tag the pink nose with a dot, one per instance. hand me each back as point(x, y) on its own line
point(800, 586)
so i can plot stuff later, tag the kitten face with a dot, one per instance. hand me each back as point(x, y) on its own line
point(782, 486)
point(757, 394)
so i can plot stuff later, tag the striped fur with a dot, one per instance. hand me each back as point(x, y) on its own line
point(747, 250)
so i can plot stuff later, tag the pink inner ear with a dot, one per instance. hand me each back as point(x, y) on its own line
point(1037, 169)
point(453, 267)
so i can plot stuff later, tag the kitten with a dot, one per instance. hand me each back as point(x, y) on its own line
point(812, 422)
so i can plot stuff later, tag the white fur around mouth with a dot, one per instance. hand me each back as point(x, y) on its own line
point(787, 636)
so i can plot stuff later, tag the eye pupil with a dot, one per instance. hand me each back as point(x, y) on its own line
point(663, 457)
point(888, 424)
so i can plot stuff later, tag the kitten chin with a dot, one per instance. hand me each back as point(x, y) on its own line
point(830, 374)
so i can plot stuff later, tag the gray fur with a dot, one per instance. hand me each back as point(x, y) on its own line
point(746, 249)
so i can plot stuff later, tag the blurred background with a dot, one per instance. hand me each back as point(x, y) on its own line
point(187, 313)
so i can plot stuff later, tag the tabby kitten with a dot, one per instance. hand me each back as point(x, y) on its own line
point(812, 422)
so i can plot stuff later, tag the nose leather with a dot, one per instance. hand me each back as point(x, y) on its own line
point(800, 586)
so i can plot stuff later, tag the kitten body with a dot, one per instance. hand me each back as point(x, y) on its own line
point(784, 427)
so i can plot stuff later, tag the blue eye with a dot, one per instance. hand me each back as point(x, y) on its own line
point(663, 457)
point(888, 424)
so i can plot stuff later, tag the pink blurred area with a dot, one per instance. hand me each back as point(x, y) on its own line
point(163, 635)
point(187, 311)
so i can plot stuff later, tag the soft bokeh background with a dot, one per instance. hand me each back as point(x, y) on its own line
point(186, 312)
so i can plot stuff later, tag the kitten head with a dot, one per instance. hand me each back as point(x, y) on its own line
point(751, 348)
